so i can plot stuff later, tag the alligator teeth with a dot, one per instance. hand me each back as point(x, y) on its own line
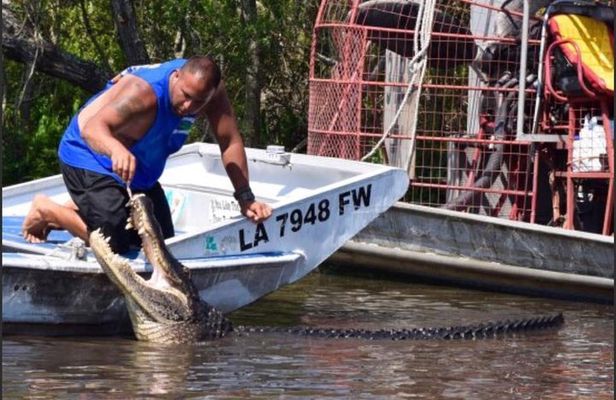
point(107, 239)
point(129, 225)
point(141, 231)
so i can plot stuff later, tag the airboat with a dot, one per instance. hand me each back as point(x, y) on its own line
point(501, 112)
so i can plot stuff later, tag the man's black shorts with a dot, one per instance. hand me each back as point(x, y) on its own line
point(102, 204)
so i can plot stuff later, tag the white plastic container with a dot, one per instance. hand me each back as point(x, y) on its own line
point(589, 147)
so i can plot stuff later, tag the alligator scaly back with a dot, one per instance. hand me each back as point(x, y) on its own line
point(167, 308)
point(480, 331)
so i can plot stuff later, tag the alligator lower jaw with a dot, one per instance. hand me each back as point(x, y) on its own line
point(181, 332)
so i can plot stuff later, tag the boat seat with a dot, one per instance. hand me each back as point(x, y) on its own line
point(11, 232)
point(588, 42)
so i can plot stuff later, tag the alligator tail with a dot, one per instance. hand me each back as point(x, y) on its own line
point(480, 331)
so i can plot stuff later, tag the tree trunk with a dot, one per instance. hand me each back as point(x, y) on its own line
point(252, 117)
point(130, 40)
point(54, 62)
point(19, 44)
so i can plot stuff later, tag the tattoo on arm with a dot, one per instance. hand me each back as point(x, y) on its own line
point(129, 106)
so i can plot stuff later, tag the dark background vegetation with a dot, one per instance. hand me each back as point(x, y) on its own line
point(57, 53)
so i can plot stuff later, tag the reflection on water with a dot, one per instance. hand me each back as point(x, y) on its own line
point(575, 362)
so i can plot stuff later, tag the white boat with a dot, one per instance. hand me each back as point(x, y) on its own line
point(319, 203)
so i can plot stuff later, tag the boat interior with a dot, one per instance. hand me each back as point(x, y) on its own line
point(197, 188)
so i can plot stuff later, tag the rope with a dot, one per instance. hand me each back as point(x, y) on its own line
point(417, 69)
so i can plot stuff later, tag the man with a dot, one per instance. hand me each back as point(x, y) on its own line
point(123, 137)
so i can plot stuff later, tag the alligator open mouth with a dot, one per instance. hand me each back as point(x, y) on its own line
point(167, 307)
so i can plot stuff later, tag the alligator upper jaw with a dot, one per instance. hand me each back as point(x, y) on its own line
point(168, 296)
point(167, 271)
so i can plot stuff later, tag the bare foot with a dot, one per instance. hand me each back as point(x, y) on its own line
point(35, 228)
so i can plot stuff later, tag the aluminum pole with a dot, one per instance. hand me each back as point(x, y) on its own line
point(522, 80)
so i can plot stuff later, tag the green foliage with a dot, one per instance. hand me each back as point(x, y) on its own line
point(283, 29)
point(32, 128)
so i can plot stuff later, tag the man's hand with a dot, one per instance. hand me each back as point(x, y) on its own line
point(255, 210)
point(123, 162)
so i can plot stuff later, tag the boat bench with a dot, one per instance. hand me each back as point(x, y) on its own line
point(11, 235)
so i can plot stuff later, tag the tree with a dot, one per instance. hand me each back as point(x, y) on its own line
point(252, 120)
point(262, 47)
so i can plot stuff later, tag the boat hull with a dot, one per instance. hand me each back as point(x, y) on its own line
point(42, 294)
point(484, 252)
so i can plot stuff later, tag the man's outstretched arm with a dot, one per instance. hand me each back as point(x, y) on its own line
point(224, 125)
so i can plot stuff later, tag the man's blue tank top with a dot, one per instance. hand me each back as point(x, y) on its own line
point(166, 136)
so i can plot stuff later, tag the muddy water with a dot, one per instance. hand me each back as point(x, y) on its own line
point(574, 362)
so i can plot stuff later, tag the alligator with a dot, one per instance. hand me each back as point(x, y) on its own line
point(167, 308)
